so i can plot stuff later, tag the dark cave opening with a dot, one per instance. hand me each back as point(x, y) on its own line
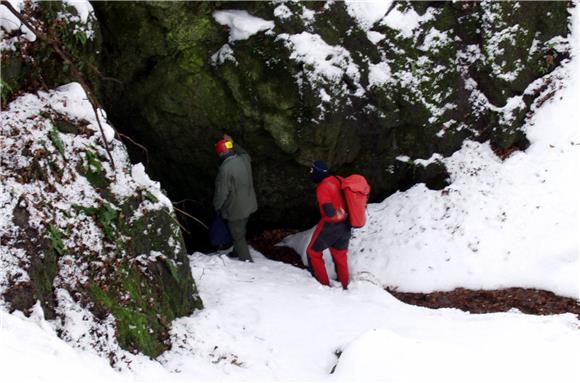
point(193, 207)
point(261, 235)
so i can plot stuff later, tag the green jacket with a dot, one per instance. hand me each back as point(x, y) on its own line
point(234, 187)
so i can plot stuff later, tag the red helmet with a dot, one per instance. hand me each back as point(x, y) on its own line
point(223, 146)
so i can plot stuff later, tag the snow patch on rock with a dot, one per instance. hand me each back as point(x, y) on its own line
point(367, 13)
point(242, 25)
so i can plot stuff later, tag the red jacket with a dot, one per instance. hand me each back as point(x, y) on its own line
point(330, 200)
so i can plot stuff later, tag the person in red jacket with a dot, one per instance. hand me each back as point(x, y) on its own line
point(333, 230)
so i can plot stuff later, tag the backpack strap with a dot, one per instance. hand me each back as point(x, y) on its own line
point(339, 179)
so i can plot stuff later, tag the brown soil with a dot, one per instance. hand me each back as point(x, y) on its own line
point(529, 301)
point(266, 242)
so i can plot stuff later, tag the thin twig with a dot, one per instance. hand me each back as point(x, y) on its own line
point(177, 221)
point(190, 216)
point(100, 127)
point(136, 144)
point(186, 200)
point(102, 76)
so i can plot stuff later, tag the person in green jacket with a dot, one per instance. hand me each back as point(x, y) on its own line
point(234, 196)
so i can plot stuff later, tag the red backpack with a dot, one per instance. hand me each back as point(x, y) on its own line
point(355, 190)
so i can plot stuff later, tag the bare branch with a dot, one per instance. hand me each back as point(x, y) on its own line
point(103, 77)
point(177, 221)
point(124, 136)
point(188, 200)
point(190, 216)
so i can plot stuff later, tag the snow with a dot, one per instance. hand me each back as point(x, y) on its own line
point(30, 351)
point(434, 40)
point(325, 66)
point(375, 37)
point(435, 157)
point(403, 158)
point(10, 23)
point(270, 321)
point(242, 25)
point(379, 74)
point(108, 130)
point(404, 22)
point(70, 99)
point(224, 54)
point(368, 12)
point(142, 179)
point(307, 16)
point(83, 8)
point(508, 359)
point(282, 12)
point(323, 61)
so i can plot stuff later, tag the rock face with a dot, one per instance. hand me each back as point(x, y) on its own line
point(96, 244)
point(76, 231)
point(366, 92)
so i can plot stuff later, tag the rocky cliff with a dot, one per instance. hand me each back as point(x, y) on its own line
point(380, 89)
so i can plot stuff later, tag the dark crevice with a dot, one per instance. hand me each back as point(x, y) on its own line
point(265, 242)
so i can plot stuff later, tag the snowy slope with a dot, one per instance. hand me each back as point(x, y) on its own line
point(499, 224)
point(269, 321)
point(31, 351)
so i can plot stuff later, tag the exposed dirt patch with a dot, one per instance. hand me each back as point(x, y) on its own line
point(529, 301)
point(266, 242)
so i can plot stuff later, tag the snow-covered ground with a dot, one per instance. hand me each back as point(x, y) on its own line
point(269, 321)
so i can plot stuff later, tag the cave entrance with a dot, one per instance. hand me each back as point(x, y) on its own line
point(261, 236)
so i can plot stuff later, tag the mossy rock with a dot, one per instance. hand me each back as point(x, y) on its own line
point(178, 102)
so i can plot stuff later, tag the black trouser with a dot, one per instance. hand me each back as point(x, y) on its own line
point(238, 232)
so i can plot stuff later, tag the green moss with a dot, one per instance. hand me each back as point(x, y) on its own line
point(282, 130)
point(173, 269)
point(136, 331)
point(188, 39)
point(5, 92)
point(54, 136)
point(43, 276)
point(55, 239)
point(106, 216)
point(42, 271)
point(156, 297)
point(144, 297)
point(93, 170)
point(65, 126)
